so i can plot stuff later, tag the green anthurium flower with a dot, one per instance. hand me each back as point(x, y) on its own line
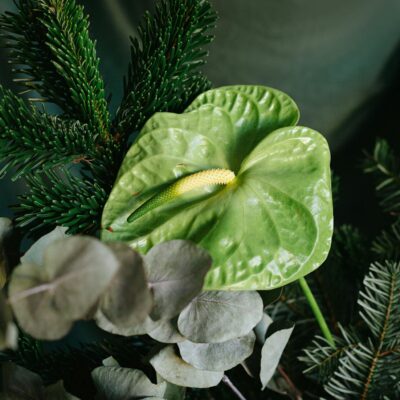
point(234, 174)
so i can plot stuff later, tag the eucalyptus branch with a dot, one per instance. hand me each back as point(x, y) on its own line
point(233, 388)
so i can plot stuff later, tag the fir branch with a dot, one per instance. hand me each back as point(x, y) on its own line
point(387, 244)
point(362, 367)
point(346, 265)
point(50, 45)
point(380, 303)
point(364, 374)
point(31, 140)
point(163, 74)
point(384, 166)
point(74, 364)
point(67, 201)
point(322, 359)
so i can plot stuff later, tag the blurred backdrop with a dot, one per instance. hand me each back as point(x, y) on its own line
point(339, 60)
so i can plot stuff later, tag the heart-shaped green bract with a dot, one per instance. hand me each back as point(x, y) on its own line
point(270, 226)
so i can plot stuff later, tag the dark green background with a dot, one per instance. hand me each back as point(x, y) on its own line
point(339, 60)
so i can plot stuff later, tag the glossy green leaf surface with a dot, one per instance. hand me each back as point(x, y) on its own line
point(270, 226)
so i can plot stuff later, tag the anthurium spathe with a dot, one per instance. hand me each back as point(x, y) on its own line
point(234, 174)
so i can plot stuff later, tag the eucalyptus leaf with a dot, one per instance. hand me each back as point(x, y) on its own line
point(173, 369)
point(266, 227)
point(217, 356)
point(262, 327)
point(218, 316)
point(5, 231)
point(47, 299)
point(128, 299)
point(36, 316)
point(172, 392)
point(117, 383)
point(167, 332)
point(110, 362)
point(272, 350)
point(35, 253)
point(18, 383)
point(175, 271)
point(138, 328)
point(57, 392)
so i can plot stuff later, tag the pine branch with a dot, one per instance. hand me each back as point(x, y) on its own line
point(384, 166)
point(67, 201)
point(163, 74)
point(50, 45)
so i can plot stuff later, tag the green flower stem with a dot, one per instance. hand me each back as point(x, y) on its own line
point(317, 311)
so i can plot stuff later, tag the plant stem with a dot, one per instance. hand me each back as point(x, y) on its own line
point(295, 392)
point(234, 389)
point(317, 311)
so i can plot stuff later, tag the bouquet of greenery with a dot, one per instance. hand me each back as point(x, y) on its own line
point(172, 239)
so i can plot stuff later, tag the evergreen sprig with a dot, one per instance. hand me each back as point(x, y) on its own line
point(163, 74)
point(54, 56)
point(365, 366)
point(74, 364)
point(384, 166)
point(50, 45)
point(61, 199)
point(31, 140)
point(387, 244)
point(322, 358)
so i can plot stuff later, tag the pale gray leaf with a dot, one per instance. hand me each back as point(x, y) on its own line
point(136, 329)
point(117, 383)
point(172, 392)
point(19, 383)
point(110, 362)
point(272, 350)
point(58, 392)
point(167, 332)
point(176, 272)
point(35, 253)
point(34, 315)
point(46, 300)
point(262, 328)
point(128, 299)
point(218, 356)
point(218, 316)
point(173, 369)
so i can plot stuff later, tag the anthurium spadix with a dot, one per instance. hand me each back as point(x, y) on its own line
point(235, 175)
